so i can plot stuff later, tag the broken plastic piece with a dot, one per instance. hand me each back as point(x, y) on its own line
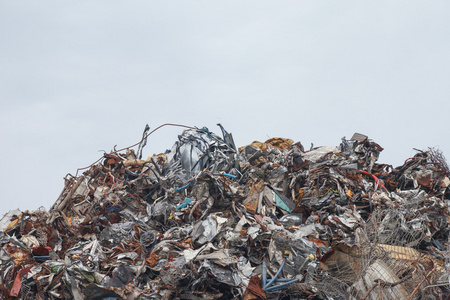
point(182, 188)
point(225, 174)
point(187, 201)
point(269, 287)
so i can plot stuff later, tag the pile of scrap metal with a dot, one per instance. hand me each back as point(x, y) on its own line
point(269, 220)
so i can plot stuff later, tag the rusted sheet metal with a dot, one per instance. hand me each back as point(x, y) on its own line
point(205, 221)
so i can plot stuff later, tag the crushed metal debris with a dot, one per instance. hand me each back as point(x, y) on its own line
point(205, 220)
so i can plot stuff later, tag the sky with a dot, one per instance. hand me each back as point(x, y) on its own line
point(80, 77)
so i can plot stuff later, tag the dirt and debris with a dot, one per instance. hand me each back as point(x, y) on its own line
point(207, 220)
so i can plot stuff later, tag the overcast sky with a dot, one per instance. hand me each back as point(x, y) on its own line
point(83, 76)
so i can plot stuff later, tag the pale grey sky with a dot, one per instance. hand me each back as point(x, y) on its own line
point(82, 76)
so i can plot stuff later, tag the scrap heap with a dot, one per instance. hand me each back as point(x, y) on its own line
point(266, 221)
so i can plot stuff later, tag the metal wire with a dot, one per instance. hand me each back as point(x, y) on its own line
point(143, 138)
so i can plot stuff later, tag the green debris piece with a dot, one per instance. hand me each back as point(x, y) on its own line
point(280, 203)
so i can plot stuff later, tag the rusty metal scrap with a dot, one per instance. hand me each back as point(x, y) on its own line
point(205, 220)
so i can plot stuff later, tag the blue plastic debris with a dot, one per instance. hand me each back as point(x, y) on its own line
point(181, 188)
point(187, 201)
point(225, 174)
point(269, 287)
